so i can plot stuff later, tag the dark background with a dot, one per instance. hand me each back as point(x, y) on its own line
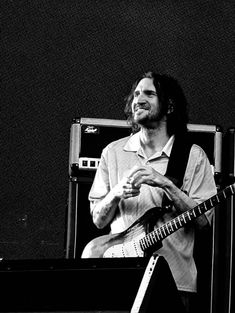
point(64, 59)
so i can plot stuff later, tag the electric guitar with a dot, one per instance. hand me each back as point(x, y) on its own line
point(134, 242)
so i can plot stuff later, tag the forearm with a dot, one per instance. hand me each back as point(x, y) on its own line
point(182, 202)
point(104, 210)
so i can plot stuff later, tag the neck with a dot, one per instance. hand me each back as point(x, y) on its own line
point(153, 140)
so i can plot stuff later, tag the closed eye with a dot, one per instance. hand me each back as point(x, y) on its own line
point(148, 93)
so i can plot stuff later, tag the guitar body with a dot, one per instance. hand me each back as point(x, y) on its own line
point(124, 244)
point(96, 248)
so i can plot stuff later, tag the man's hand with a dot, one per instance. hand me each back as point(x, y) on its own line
point(146, 175)
point(125, 189)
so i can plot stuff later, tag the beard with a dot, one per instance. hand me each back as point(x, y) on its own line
point(147, 118)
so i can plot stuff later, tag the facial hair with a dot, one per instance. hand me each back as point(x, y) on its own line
point(148, 118)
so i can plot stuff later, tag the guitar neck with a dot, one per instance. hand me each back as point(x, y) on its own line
point(183, 219)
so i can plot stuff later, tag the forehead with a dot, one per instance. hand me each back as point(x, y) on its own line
point(146, 84)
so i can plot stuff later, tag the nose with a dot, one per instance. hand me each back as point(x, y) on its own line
point(141, 97)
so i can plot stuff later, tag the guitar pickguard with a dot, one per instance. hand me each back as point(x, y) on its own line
point(126, 249)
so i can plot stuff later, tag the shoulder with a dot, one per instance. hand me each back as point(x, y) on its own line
point(197, 152)
point(199, 160)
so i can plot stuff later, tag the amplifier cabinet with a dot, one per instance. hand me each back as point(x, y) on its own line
point(224, 236)
point(88, 136)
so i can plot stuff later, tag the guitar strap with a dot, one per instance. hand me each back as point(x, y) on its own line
point(175, 171)
point(177, 163)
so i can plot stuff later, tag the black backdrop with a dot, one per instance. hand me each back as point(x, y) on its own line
point(61, 59)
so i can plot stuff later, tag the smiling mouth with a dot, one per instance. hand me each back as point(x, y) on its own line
point(140, 109)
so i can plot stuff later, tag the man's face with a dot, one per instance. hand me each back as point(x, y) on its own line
point(145, 105)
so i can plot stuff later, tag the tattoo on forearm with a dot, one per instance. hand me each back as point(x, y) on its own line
point(106, 211)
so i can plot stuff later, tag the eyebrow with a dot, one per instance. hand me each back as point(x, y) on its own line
point(146, 91)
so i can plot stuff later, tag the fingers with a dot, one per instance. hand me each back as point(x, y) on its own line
point(139, 175)
point(124, 189)
point(130, 191)
point(145, 175)
point(135, 169)
point(137, 181)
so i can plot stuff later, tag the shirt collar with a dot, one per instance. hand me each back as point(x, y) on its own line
point(168, 146)
point(133, 144)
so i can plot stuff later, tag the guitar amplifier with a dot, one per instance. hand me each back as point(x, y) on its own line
point(88, 136)
point(224, 236)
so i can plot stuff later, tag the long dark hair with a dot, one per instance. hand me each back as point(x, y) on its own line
point(170, 94)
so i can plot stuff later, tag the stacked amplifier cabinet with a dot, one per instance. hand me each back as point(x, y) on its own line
point(223, 286)
point(231, 223)
point(88, 137)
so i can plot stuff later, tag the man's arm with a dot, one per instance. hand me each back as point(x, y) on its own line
point(182, 202)
point(104, 210)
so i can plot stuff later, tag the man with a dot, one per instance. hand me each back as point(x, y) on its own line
point(131, 178)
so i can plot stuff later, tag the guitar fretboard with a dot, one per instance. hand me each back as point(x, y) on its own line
point(173, 225)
